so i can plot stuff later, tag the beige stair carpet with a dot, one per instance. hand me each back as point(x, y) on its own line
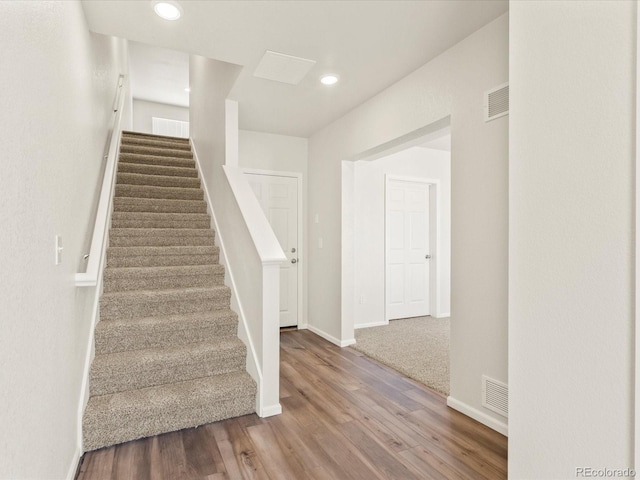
point(167, 352)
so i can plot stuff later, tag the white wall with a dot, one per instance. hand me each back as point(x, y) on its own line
point(144, 110)
point(280, 153)
point(571, 237)
point(268, 151)
point(58, 83)
point(369, 227)
point(452, 85)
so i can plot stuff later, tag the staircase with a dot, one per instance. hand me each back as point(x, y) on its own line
point(167, 354)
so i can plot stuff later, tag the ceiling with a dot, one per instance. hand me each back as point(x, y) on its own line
point(369, 44)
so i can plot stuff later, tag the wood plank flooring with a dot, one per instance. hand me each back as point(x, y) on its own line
point(344, 416)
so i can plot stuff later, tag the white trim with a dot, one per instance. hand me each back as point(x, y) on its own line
point(88, 360)
point(483, 418)
point(442, 315)
point(270, 391)
point(636, 440)
point(331, 338)
point(271, 410)
point(434, 233)
point(302, 254)
point(243, 330)
point(370, 324)
point(75, 463)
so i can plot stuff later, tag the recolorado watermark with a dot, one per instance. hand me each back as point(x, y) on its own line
point(590, 472)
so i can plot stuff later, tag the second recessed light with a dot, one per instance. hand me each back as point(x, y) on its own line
point(329, 79)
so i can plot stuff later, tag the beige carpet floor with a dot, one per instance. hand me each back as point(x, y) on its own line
point(417, 347)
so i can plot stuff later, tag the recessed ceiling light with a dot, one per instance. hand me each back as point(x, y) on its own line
point(167, 9)
point(187, 89)
point(329, 79)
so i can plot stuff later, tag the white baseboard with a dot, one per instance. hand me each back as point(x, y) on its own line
point(368, 325)
point(73, 467)
point(270, 411)
point(331, 338)
point(443, 315)
point(483, 418)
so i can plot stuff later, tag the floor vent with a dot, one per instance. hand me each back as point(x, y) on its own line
point(496, 102)
point(495, 396)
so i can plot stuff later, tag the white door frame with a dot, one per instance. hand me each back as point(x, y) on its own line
point(434, 239)
point(302, 321)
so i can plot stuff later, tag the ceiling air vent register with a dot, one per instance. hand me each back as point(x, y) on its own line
point(495, 396)
point(496, 102)
point(280, 67)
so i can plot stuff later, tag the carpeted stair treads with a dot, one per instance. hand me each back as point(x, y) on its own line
point(154, 256)
point(163, 161)
point(167, 352)
point(159, 205)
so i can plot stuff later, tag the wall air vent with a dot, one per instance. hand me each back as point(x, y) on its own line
point(496, 102)
point(495, 396)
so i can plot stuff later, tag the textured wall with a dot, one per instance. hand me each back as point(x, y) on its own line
point(58, 83)
point(571, 288)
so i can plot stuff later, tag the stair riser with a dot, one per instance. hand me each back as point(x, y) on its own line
point(160, 152)
point(182, 217)
point(132, 425)
point(152, 283)
point(144, 169)
point(130, 204)
point(157, 180)
point(160, 260)
point(169, 193)
point(110, 311)
point(120, 381)
point(108, 341)
point(148, 142)
point(131, 223)
point(157, 160)
point(160, 241)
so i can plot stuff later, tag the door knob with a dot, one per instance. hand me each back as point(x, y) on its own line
point(427, 257)
point(294, 260)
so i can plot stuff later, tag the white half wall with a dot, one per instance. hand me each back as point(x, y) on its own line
point(213, 132)
point(571, 264)
point(452, 85)
point(369, 227)
point(144, 110)
point(59, 82)
point(280, 153)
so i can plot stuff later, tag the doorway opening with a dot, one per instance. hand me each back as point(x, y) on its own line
point(397, 256)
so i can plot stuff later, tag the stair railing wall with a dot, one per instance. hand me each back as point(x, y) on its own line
point(254, 279)
point(99, 241)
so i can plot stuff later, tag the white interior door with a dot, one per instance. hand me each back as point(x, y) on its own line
point(407, 249)
point(278, 197)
